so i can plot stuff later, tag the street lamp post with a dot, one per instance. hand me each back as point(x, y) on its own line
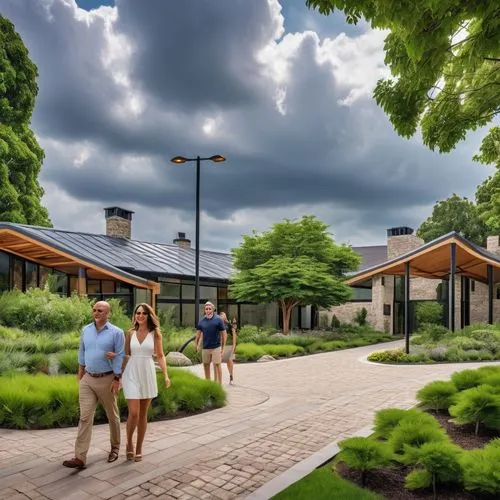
point(198, 160)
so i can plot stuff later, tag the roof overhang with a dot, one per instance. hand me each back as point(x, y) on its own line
point(432, 261)
point(14, 241)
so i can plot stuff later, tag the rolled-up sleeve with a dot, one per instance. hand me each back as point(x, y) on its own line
point(119, 351)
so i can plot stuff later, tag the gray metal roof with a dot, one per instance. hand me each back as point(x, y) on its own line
point(371, 256)
point(155, 259)
point(136, 257)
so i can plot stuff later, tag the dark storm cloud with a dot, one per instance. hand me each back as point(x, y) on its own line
point(191, 55)
point(200, 85)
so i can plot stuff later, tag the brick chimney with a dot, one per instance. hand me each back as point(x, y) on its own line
point(118, 222)
point(182, 241)
point(493, 244)
point(401, 240)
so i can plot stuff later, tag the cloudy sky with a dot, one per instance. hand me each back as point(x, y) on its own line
point(281, 91)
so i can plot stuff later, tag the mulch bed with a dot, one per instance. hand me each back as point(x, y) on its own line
point(389, 481)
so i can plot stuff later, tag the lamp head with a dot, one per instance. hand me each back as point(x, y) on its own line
point(179, 159)
point(217, 158)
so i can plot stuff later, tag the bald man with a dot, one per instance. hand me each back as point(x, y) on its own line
point(99, 378)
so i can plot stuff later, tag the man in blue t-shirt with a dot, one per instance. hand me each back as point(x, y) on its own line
point(212, 329)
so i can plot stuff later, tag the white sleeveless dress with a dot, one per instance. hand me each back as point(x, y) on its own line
point(139, 377)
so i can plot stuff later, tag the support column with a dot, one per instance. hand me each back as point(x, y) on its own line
point(490, 293)
point(82, 281)
point(451, 287)
point(407, 307)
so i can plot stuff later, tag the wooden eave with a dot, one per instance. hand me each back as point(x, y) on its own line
point(433, 261)
point(29, 248)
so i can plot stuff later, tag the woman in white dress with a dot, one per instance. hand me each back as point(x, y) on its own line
point(139, 376)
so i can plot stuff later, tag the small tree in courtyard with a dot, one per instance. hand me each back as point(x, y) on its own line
point(294, 263)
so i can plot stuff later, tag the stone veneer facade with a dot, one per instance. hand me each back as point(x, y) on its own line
point(118, 227)
point(420, 289)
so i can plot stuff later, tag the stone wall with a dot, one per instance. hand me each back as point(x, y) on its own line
point(398, 245)
point(118, 227)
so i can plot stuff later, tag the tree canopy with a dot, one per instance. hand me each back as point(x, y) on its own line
point(488, 203)
point(20, 154)
point(444, 57)
point(294, 263)
point(454, 214)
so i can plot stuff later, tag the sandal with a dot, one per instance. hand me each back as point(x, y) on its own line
point(113, 455)
point(138, 458)
point(130, 454)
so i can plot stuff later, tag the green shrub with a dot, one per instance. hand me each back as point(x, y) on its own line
point(387, 419)
point(429, 312)
point(248, 333)
point(388, 356)
point(482, 469)
point(11, 360)
point(248, 352)
point(466, 379)
point(434, 332)
point(437, 463)
point(456, 355)
point(467, 343)
point(490, 339)
point(414, 431)
point(438, 395)
point(479, 405)
point(363, 454)
point(335, 322)
point(68, 361)
point(360, 316)
point(418, 339)
point(282, 350)
point(41, 401)
point(38, 362)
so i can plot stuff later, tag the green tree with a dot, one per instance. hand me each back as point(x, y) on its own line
point(20, 154)
point(454, 214)
point(294, 263)
point(444, 58)
point(488, 203)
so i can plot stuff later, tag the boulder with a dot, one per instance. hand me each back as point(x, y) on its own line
point(178, 359)
point(266, 357)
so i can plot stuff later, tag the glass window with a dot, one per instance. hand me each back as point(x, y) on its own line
point(188, 315)
point(44, 273)
point(73, 284)
point(142, 295)
point(361, 294)
point(170, 290)
point(169, 314)
point(93, 287)
point(122, 287)
point(222, 292)
point(31, 274)
point(259, 314)
point(208, 293)
point(61, 283)
point(188, 292)
point(108, 286)
point(4, 271)
point(17, 273)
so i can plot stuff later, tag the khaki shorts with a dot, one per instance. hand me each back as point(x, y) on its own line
point(227, 354)
point(211, 356)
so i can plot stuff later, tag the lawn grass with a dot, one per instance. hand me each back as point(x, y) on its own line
point(323, 483)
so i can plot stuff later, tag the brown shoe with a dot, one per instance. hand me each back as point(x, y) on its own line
point(74, 463)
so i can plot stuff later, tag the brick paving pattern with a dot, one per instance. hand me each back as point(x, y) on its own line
point(278, 414)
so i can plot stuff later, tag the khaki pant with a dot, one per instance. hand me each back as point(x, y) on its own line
point(211, 356)
point(92, 391)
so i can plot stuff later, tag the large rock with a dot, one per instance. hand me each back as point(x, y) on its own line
point(178, 359)
point(266, 357)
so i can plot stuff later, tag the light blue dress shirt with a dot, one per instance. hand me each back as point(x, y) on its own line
point(94, 345)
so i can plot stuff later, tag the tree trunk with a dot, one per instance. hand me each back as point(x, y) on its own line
point(287, 312)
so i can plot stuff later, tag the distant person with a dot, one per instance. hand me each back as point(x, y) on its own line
point(139, 375)
point(211, 329)
point(228, 354)
point(99, 382)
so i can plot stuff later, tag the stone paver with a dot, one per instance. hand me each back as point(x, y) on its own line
point(280, 415)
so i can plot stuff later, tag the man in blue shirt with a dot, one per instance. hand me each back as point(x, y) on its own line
point(212, 329)
point(100, 368)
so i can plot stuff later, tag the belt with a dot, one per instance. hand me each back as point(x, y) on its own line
point(99, 375)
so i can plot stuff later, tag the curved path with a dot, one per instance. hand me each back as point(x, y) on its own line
point(278, 415)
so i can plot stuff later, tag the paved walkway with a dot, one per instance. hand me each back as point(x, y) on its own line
point(279, 414)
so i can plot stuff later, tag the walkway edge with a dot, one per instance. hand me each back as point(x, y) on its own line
point(302, 469)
